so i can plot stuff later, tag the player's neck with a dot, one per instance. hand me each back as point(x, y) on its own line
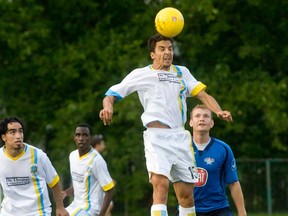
point(82, 152)
point(14, 152)
point(201, 138)
point(158, 67)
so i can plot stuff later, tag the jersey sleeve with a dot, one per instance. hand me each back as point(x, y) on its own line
point(194, 86)
point(51, 176)
point(127, 86)
point(102, 174)
point(230, 167)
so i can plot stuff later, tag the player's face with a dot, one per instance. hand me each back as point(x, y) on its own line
point(201, 120)
point(14, 136)
point(82, 139)
point(163, 55)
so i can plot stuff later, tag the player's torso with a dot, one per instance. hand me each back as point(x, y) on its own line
point(83, 176)
point(23, 183)
point(209, 165)
point(164, 94)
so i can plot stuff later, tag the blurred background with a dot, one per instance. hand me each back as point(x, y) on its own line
point(58, 58)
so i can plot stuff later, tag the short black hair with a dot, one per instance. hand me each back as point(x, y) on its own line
point(4, 124)
point(84, 125)
point(156, 38)
point(97, 139)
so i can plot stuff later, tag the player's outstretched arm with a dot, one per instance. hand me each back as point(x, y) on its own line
point(213, 105)
point(106, 113)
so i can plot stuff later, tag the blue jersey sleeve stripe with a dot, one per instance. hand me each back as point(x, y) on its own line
point(115, 94)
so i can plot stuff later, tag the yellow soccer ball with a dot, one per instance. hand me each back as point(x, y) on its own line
point(169, 22)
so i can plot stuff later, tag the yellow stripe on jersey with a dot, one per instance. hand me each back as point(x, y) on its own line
point(54, 181)
point(88, 181)
point(36, 183)
point(197, 89)
point(108, 186)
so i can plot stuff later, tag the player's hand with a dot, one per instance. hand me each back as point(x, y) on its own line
point(106, 116)
point(61, 211)
point(225, 115)
point(63, 194)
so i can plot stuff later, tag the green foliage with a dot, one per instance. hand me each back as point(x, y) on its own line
point(58, 58)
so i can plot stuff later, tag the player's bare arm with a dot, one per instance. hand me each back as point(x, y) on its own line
point(213, 105)
point(60, 210)
point(106, 113)
point(106, 202)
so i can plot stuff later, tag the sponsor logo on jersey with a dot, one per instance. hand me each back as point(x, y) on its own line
point(202, 177)
point(16, 181)
point(77, 177)
point(168, 77)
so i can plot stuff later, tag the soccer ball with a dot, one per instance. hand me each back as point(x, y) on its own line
point(169, 22)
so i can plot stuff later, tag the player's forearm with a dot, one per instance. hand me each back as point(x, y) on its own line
point(57, 195)
point(209, 102)
point(238, 198)
point(106, 202)
point(108, 102)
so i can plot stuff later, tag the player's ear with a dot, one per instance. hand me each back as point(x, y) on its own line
point(212, 123)
point(3, 137)
point(191, 123)
point(152, 55)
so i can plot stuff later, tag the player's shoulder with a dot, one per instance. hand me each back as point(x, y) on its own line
point(141, 69)
point(181, 68)
point(34, 148)
point(73, 153)
point(221, 143)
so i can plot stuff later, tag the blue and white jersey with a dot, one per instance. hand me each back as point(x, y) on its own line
point(216, 168)
point(162, 93)
point(24, 182)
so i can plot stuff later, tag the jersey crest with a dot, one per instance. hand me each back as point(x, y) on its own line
point(34, 169)
point(209, 160)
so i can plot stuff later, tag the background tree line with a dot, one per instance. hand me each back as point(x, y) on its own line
point(58, 58)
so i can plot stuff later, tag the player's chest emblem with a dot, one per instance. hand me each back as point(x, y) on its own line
point(34, 169)
point(209, 161)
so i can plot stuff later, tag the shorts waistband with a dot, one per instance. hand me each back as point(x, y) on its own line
point(167, 130)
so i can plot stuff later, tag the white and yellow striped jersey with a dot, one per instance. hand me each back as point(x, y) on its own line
point(24, 182)
point(90, 179)
point(162, 93)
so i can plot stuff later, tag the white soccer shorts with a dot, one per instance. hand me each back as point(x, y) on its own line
point(169, 152)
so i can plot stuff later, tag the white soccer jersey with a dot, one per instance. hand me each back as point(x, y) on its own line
point(161, 93)
point(24, 182)
point(90, 179)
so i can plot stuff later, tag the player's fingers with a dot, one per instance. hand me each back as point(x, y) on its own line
point(106, 117)
point(227, 116)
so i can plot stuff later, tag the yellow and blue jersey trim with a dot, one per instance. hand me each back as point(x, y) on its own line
point(36, 182)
